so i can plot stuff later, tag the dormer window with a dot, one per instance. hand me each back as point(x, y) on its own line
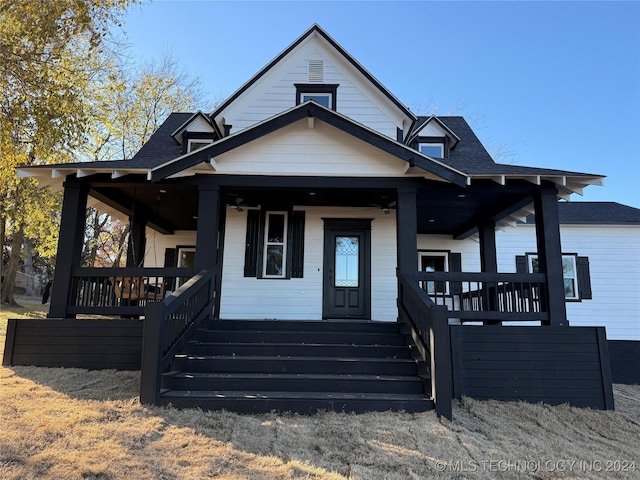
point(433, 150)
point(194, 144)
point(323, 94)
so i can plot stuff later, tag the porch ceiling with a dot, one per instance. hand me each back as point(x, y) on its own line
point(442, 208)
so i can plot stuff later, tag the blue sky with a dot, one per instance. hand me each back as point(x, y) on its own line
point(550, 84)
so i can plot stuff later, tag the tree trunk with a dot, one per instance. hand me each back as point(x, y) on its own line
point(12, 269)
point(121, 244)
point(29, 273)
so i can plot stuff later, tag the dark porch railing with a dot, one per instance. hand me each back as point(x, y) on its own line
point(121, 291)
point(429, 328)
point(488, 296)
point(167, 326)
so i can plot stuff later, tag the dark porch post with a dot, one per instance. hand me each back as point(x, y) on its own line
point(550, 251)
point(70, 241)
point(137, 241)
point(488, 261)
point(208, 221)
point(407, 231)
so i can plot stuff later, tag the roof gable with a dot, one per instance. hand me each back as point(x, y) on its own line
point(434, 127)
point(315, 59)
point(198, 122)
point(311, 112)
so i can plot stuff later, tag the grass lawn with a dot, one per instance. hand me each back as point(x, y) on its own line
point(79, 424)
point(30, 307)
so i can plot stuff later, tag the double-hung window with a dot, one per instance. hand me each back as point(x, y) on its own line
point(274, 246)
point(433, 262)
point(575, 273)
point(274, 257)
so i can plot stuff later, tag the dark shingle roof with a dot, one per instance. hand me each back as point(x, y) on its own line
point(469, 156)
point(161, 147)
point(595, 213)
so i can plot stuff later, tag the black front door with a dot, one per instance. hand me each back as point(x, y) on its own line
point(347, 269)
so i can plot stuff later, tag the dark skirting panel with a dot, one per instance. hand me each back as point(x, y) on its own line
point(91, 344)
point(625, 361)
point(553, 365)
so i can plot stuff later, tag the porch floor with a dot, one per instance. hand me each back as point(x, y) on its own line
point(298, 366)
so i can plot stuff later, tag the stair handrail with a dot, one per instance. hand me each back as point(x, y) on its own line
point(429, 327)
point(168, 325)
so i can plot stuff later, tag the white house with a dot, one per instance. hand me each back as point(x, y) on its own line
point(313, 195)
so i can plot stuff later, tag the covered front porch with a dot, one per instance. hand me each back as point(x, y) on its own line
point(176, 302)
point(411, 207)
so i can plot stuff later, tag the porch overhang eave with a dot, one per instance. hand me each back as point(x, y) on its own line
point(310, 109)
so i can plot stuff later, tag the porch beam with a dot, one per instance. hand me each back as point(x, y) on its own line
point(407, 230)
point(302, 182)
point(550, 251)
point(74, 205)
point(494, 214)
point(123, 204)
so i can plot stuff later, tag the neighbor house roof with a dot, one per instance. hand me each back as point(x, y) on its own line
point(595, 213)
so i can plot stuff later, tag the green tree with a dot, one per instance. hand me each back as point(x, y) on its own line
point(49, 51)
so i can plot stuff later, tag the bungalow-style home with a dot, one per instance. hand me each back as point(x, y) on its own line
point(307, 246)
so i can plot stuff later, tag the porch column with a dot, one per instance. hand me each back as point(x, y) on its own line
point(137, 241)
point(208, 222)
point(407, 230)
point(70, 241)
point(488, 261)
point(550, 250)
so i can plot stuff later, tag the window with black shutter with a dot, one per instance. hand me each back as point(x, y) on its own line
point(575, 270)
point(274, 244)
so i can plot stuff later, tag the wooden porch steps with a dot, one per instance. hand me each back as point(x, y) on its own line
point(298, 366)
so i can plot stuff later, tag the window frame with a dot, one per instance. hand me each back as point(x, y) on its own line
point(329, 90)
point(179, 250)
point(266, 243)
point(205, 141)
point(576, 281)
point(432, 144)
point(435, 254)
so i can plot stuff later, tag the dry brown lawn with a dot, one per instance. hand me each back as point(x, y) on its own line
point(78, 424)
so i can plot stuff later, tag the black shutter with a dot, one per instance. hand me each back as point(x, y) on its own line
point(296, 244)
point(252, 244)
point(521, 264)
point(584, 278)
point(455, 265)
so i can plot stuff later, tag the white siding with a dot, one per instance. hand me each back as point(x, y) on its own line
point(613, 251)
point(275, 92)
point(299, 150)
point(301, 298)
point(614, 263)
point(157, 243)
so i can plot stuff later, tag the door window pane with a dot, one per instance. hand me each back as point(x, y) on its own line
point(347, 261)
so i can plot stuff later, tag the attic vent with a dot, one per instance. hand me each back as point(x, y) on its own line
point(316, 71)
